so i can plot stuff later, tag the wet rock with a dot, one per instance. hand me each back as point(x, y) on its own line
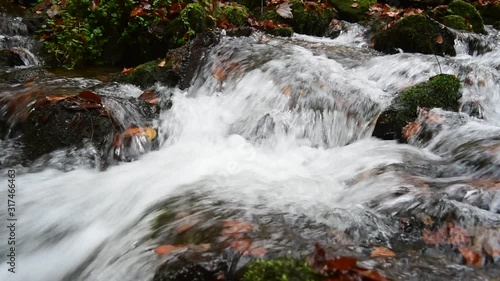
point(34, 22)
point(209, 269)
point(467, 11)
point(236, 14)
point(416, 34)
point(10, 58)
point(440, 91)
point(351, 10)
point(423, 4)
point(147, 74)
point(57, 125)
point(23, 75)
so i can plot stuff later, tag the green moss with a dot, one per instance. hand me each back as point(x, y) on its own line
point(236, 14)
point(490, 13)
point(416, 34)
point(467, 11)
point(281, 269)
point(196, 18)
point(311, 21)
point(441, 91)
point(281, 31)
point(347, 12)
point(147, 74)
point(456, 22)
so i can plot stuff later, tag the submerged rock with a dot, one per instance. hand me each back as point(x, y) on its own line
point(416, 34)
point(23, 75)
point(441, 91)
point(490, 13)
point(281, 269)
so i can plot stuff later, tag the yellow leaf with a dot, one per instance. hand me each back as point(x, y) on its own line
point(150, 133)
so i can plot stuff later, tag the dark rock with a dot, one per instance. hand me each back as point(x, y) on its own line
point(416, 34)
point(208, 269)
point(10, 58)
point(240, 32)
point(490, 13)
point(440, 91)
point(54, 126)
point(147, 74)
point(334, 29)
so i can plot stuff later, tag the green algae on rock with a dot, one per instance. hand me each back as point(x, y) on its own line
point(416, 34)
point(236, 14)
point(441, 91)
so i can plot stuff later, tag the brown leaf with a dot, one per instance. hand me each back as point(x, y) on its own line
point(241, 245)
point(317, 258)
point(137, 11)
point(90, 96)
point(284, 10)
point(165, 249)
point(410, 130)
point(219, 73)
point(57, 98)
point(382, 252)
point(439, 39)
point(149, 97)
point(162, 63)
point(287, 90)
point(369, 275)
point(435, 238)
point(354, 5)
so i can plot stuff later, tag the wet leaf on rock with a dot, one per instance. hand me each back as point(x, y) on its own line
point(439, 39)
point(473, 257)
point(166, 249)
point(127, 70)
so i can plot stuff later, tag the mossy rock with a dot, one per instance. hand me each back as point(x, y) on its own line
point(236, 14)
point(467, 11)
point(490, 13)
point(305, 21)
point(456, 22)
point(353, 11)
point(22, 75)
point(281, 269)
point(416, 34)
point(280, 31)
point(196, 17)
point(147, 74)
point(441, 91)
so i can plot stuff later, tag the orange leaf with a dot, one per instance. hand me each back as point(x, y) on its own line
point(137, 11)
point(219, 73)
point(439, 39)
point(472, 257)
point(382, 252)
point(165, 249)
point(341, 263)
point(57, 98)
point(127, 70)
point(134, 131)
point(149, 97)
point(90, 96)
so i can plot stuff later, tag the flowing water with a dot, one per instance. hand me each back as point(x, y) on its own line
point(284, 143)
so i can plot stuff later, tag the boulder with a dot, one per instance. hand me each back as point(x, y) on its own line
point(467, 11)
point(415, 34)
point(456, 22)
point(441, 91)
point(490, 13)
point(23, 75)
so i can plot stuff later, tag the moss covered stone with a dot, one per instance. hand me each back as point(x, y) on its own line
point(236, 14)
point(281, 269)
point(442, 91)
point(467, 11)
point(281, 31)
point(456, 22)
point(147, 74)
point(416, 34)
point(353, 11)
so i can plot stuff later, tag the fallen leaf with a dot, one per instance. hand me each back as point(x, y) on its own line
point(439, 39)
point(284, 10)
point(287, 90)
point(57, 98)
point(162, 63)
point(411, 129)
point(150, 133)
point(90, 96)
point(340, 263)
point(241, 245)
point(127, 70)
point(355, 5)
point(165, 249)
point(382, 252)
point(137, 11)
point(133, 131)
point(149, 97)
point(219, 73)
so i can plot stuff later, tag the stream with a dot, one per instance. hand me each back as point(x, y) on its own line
point(283, 143)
